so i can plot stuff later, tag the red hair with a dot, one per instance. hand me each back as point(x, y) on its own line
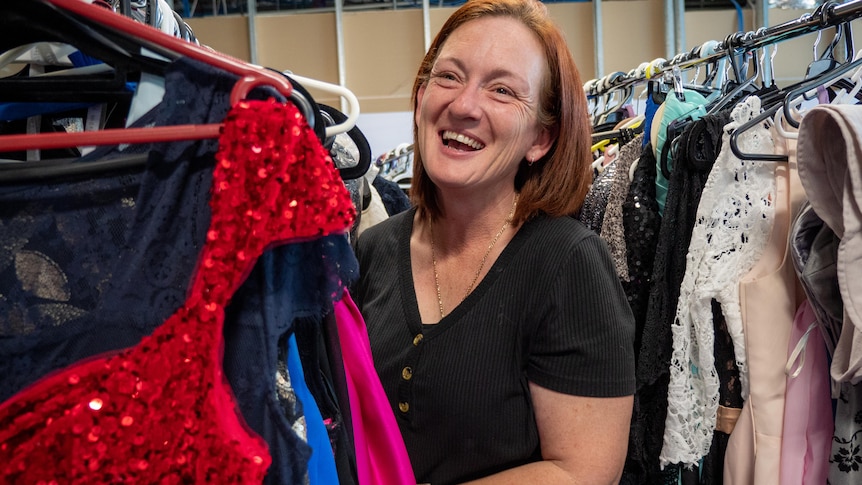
point(558, 182)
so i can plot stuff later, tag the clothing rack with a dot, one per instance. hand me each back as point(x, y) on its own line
point(622, 136)
point(402, 152)
point(828, 14)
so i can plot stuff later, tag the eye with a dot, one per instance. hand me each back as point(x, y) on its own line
point(502, 90)
point(445, 78)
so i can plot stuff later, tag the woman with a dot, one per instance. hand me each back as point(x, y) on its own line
point(498, 326)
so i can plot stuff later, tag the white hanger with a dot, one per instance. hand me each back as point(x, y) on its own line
point(632, 168)
point(74, 71)
point(845, 97)
point(841, 97)
point(352, 102)
point(778, 123)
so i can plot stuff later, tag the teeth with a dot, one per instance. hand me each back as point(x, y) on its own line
point(451, 135)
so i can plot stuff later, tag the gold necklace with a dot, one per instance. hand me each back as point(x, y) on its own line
point(481, 264)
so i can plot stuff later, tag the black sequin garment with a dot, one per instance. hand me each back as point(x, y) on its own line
point(696, 150)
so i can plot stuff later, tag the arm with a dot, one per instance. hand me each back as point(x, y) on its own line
point(583, 440)
point(584, 347)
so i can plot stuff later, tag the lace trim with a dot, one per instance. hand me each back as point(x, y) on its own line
point(734, 219)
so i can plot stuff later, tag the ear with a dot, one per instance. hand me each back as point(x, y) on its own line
point(418, 108)
point(542, 144)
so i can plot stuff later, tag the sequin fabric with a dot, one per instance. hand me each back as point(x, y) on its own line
point(161, 411)
point(593, 209)
point(641, 223)
point(612, 230)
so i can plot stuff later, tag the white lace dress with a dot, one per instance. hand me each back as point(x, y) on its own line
point(734, 219)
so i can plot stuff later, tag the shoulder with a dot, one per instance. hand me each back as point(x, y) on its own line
point(561, 234)
point(554, 248)
point(389, 227)
point(385, 234)
point(567, 249)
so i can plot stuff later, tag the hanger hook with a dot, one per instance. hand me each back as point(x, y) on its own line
point(816, 44)
point(676, 75)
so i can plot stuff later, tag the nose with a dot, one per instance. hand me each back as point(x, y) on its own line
point(467, 102)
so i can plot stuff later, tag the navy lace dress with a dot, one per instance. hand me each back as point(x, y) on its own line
point(91, 265)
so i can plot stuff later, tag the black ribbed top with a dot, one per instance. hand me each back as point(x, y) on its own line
point(550, 311)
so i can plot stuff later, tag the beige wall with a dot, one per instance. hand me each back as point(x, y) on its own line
point(305, 45)
point(633, 33)
point(228, 34)
point(382, 49)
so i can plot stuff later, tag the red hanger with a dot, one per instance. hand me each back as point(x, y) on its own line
point(251, 76)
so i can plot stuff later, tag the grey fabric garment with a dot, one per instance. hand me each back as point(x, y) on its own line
point(830, 168)
point(814, 248)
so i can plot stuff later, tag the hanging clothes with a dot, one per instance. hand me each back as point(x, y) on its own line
point(672, 110)
point(374, 211)
point(845, 457)
point(168, 201)
point(769, 298)
point(381, 456)
point(832, 177)
point(141, 399)
point(612, 229)
point(808, 423)
point(686, 183)
point(733, 222)
point(593, 209)
point(641, 222)
point(815, 254)
point(321, 464)
point(730, 320)
point(830, 172)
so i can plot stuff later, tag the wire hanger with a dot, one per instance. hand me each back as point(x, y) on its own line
point(250, 76)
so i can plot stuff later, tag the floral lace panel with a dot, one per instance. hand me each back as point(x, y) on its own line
point(734, 219)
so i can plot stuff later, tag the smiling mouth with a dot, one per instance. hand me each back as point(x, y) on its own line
point(460, 142)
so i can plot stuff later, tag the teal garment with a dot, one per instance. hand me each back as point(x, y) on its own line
point(694, 107)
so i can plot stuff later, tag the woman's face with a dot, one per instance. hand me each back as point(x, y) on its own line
point(476, 116)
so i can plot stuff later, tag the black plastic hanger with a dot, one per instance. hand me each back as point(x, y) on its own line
point(734, 137)
point(44, 170)
point(358, 138)
point(739, 88)
point(813, 79)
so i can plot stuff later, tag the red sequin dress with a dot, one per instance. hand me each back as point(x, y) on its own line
point(162, 411)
